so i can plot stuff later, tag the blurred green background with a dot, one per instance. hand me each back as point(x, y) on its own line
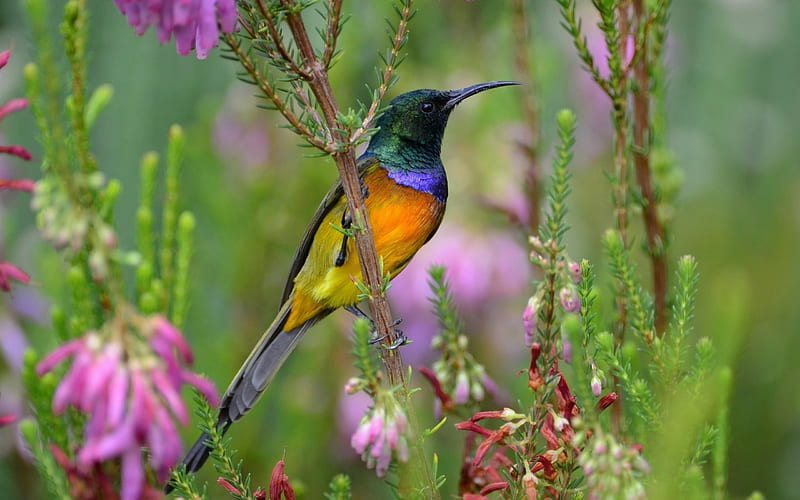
point(732, 107)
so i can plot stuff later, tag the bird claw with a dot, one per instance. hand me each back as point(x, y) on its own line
point(400, 340)
point(400, 337)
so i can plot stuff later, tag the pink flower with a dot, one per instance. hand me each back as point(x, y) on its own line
point(11, 272)
point(193, 22)
point(575, 272)
point(8, 108)
point(502, 273)
point(131, 400)
point(461, 393)
point(380, 437)
point(529, 317)
point(569, 299)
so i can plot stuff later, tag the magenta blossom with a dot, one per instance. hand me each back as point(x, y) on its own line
point(11, 272)
point(193, 22)
point(380, 435)
point(132, 400)
point(8, 108)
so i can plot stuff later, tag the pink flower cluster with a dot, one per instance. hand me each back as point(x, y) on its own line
point(379, 436)
point(193, 22)
point(131, 402)
point(9, 271)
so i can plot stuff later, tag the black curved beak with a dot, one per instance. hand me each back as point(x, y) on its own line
point(456, 96)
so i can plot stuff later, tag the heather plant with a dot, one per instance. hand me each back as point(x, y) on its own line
point(623, 400)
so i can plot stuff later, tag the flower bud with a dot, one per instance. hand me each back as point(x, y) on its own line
point(529, 316)
point(574, 271)
point(569, 299)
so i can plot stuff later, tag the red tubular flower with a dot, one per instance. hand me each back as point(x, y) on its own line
point(548, 432)
point(8, 108)
point(492, 487)
point(26, 185)
point(472, 426)
point(496, 437)
point(227, 486)
point(535, 380)
point(279, 486)
point(606, 401)
point(444, 399)
point(543, 463)
point(567, 403)
point(11, 272)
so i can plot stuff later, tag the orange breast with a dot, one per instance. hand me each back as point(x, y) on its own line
point(402, 220)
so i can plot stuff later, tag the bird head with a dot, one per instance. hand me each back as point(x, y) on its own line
point(420, 116)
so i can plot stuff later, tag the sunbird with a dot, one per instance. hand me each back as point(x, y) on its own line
point(405, 185)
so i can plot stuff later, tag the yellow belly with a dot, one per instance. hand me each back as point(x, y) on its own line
point(402, 220)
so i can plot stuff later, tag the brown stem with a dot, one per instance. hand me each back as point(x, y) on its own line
point(641, 161)
point(348, 172)
point(530, 113)
point(268, 90)
point(332, 31)
point(277, 41)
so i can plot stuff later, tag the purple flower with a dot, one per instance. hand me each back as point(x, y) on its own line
point(380, 436)
point(529, 316)
point(193, 22)
point(132, 399)
point(503, 272)
point(569, 299)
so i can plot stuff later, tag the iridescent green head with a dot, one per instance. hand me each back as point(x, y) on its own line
point(418, 118)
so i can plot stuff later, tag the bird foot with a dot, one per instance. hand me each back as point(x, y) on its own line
point(400, 337)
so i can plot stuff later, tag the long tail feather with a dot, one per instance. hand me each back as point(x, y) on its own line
point(253, 378)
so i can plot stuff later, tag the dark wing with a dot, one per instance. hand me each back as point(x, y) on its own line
point(365, 165)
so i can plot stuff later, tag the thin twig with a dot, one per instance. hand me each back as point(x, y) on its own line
point(268, 90)
point(332, 32)
point(388, 72)
point(522, 42)
point(277, 41)
point(641, 160)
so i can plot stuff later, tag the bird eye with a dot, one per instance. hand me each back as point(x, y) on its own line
point(426, 107)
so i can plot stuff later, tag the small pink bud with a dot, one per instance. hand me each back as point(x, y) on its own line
point(228, 486)
point(575, 272)
point(597, 387)
point(461, 393)
point(352, 386)
point(9, 271)
point(12, 106)
point(529, 316)
point(569, 299)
